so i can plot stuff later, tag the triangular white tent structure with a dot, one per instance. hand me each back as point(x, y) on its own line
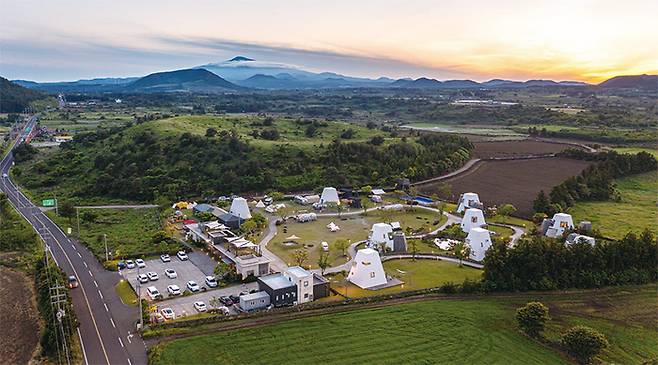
point(473, 217)
point(260, 204)
point(329, 195)
point(479, 240)
point(367, 270)
point(560, 223)
point(467, 200)
point(240, 208)
point(382, 233)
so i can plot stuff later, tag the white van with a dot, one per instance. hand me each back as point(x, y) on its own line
point(325, 246)
point(152, 292)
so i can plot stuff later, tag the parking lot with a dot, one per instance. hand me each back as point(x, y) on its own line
point(196, 268)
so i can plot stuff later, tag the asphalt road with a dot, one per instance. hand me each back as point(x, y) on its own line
point(105, 323)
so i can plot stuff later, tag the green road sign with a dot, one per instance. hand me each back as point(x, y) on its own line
point(48, 202)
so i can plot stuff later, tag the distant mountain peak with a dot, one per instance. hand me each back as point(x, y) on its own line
point(240, 58)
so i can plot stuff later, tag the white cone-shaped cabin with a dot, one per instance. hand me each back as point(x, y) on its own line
point(560, 223)
point(329, 195)
point(382, 233)
point(473, 218)
point(479, 240)
point(367, 270)
point(239, 208)
point(467, 200)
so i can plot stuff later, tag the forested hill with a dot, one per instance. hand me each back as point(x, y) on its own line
point(173, 158)
point(15, 98)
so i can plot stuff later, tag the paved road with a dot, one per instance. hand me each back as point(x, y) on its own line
point(105, 322)
point(143, 206)
point(277, 264)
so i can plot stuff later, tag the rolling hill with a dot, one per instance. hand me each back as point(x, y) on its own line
point(646, 82)
point(14, 98)
point(198, 80)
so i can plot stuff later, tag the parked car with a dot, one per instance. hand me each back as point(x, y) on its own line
point(130, 264)
point(152, 276)
point(121, 265)
point(152, 292)
point(168, 313)
point(211, 282)
point(193, 286)
point(171, 273)
point(143, 278)
point(140, 263)
point(5, 175)
point(226, 301)
point(224, 310)
point(182, 255)
point(159, 318)
point(234, 298)
point(165, 258)
point(73, 282)
point(173, 289)
point(252, 291)
point(200, 306)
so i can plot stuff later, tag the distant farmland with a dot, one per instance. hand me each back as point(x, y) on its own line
point(512, 181)
point(518, 148)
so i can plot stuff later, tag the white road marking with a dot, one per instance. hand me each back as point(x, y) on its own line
point(128, 337)
point(106, 308)
point(101, 294)
point(129, 363)
point(112, 321)
point(90, 274)
point(80, 256)
point(121, 342)
point(95, 283)
point(83, 347)
point(85, 264)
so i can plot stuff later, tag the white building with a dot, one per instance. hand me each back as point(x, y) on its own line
point(473, 218)
point(560, 223)
point(304, 281)
point(479, 241)
point(382, 233)
point(468, 200)
point(580, 238)
point(240, 208)
point(367, 270)
point(329, 195)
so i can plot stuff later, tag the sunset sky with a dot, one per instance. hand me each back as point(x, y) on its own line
point(562, 40)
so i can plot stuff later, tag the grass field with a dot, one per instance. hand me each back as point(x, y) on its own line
point(126, 293)
point(634, 150)
point(635, 212)
point(460, 331)
point(129, 231)
point(352, 227)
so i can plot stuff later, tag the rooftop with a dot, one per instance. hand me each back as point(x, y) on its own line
point(298, 272)
point(254, 296)
point(276, 281)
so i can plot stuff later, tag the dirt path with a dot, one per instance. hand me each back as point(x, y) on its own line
point(19, 317)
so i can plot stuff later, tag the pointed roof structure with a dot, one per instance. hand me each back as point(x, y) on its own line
point(260, 204)
point(559, 224)
point(240, 208)
point(473, 218)
point(479, 240)
point(329, 195)
point(367, 270)
point(468, 200)
point(382, 233)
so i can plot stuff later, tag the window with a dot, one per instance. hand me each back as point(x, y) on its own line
point(306, 296)
point(305, 283)
point(474, 219)
point(564, 224)
point(372, 274)
point(277, 298)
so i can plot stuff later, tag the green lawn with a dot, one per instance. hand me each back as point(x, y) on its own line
point(635, 212)
point(478, 331)
point(634, 150)
point(126, 293)
point(129, 231)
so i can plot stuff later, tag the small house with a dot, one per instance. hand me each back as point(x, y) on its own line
point(240, 208)
point(303, 280)
point(555, 227)
point(468, 200)
point(479, 240)
point(399, 242)
point(329, 195)
point(473, 218)
point(381, 233)
point(254, 301)
point(573, 238)
point(282, 291)
point(367, 270)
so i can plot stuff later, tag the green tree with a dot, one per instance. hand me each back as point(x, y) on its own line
point(341, 245)
point(66, 209)
point(541, 204)
point(532, 318)
point(211, 132)
point(159, 236)
point(506, 210)
point(249, 226)
point(414, 248)
point(583, 343)
point(300, 256)
point(276, 195)
point(323, 261)
point(461, 251)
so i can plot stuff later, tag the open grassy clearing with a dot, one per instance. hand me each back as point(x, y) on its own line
point(478, 330)
point(484, 130)
point(634, 150)
point(635, 212)
point(354, 228)
point(126, 293)
point(129, 231)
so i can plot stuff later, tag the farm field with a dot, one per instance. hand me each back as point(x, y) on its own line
point(20, 318)
point(478, 130)
point(129, 231)
point(516, 182)
point(635, 212)
point(445, 330)
point(634, 150)
point(487, 149)
point(352, 227)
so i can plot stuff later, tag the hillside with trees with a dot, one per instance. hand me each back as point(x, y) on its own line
point(15, 98)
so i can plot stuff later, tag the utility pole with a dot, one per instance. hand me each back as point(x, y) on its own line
point(107, 258)
point(77, 213)
point(56, 300)
point(56, 204)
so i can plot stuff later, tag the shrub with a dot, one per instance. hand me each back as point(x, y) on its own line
point(583, 343)
point(532, 318)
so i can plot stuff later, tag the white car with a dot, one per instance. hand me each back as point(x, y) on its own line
point(143, 278)
point(5, 175)
point(182, 255)
point(165, 258)
point(168, 313)
point(193, 286)
point(211, 282)
point(200, 306)
point(171, 273)
point(152, 276)
point(173, 289)
point(140, 263)
point(152, 292)
point(130, 264)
